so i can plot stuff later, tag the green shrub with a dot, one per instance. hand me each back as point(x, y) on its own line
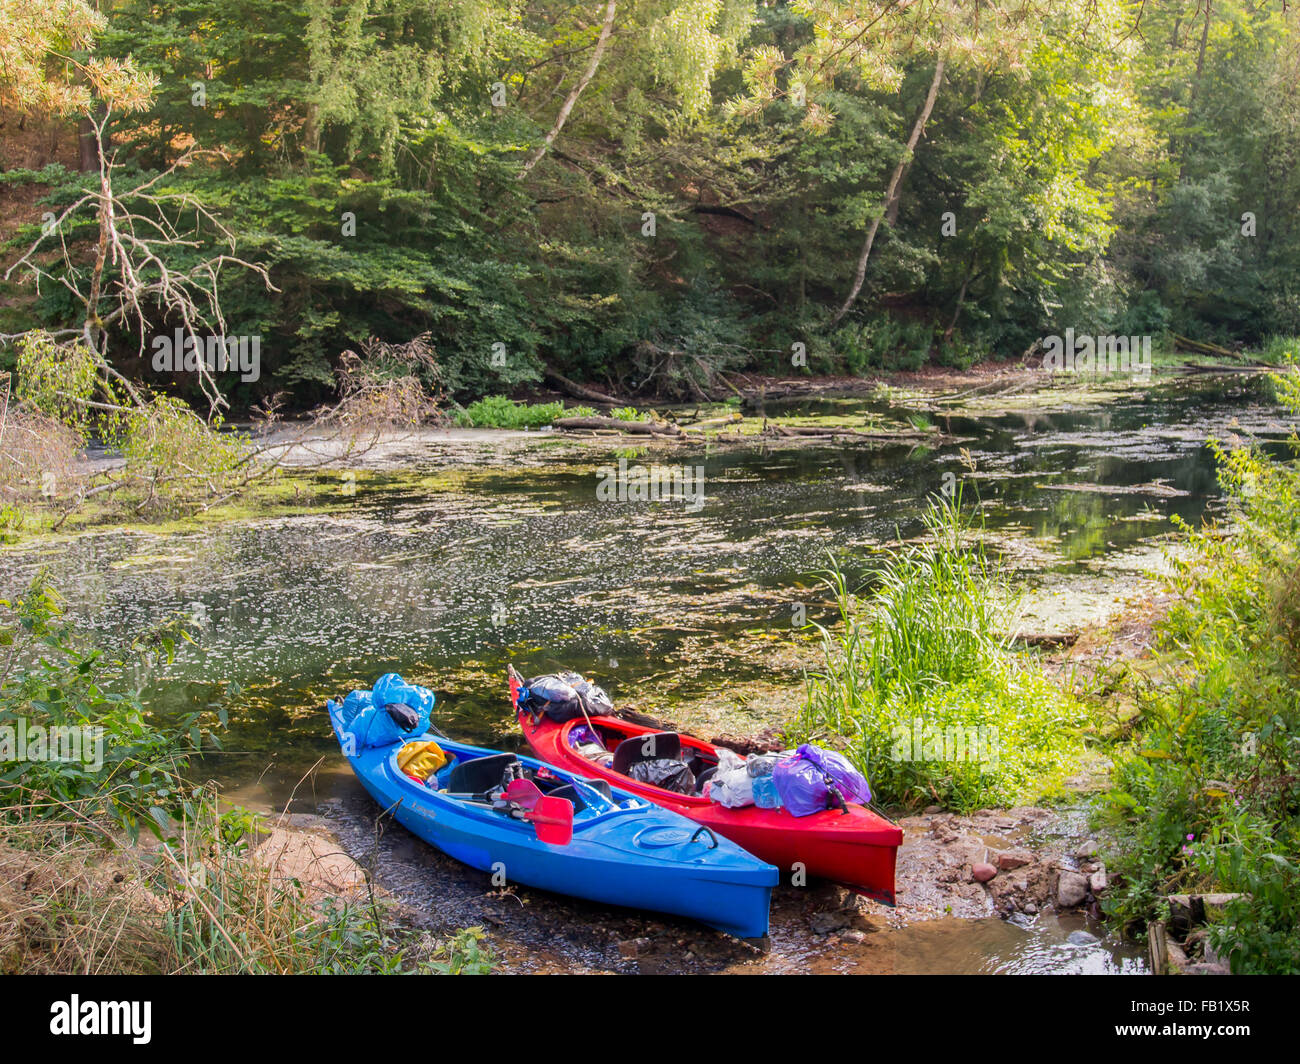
point(1207, 794)
point(884, 343)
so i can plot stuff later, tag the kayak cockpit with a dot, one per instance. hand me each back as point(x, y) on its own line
point(480, 779)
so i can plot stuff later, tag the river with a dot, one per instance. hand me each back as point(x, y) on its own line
point(486, 549)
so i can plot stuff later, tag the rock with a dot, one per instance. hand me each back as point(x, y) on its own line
point(1071, 890)
point(628, 949)
point(1031, 908)
point(1008, 860)
point(1207, 969)
point(930, 810)
point(825, 923)
point(1097, 882)
point(1088, 849)
point(983, 872)
point(968, 850)
point(311, 860)
point(1187, 911)
point(853, 935)
point(1081, 938)
point(1176, 957)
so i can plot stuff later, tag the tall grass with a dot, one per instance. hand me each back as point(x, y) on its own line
point(75, 901)
point(918, 681)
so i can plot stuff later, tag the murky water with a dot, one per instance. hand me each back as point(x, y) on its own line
point(446, 581)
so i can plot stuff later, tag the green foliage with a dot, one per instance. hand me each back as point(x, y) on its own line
point(500, 412)
point(919, 684)
point(1207, 794)
point(116, 760)
point(885, 344)
point(1072, 173)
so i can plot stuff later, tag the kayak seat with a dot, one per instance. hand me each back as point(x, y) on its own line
point(704, 778)
point(700, 764)
point(602, 786)
point(480, 774)
point(570, 792)
point(666, 746)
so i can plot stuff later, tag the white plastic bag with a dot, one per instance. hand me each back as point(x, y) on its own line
point(731, 786)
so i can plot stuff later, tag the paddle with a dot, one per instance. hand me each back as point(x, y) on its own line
point(552, 817)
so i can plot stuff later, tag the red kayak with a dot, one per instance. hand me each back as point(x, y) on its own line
point(856, 848)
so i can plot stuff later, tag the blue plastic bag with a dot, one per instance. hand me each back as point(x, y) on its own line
point(364, 715)
point(355, 702)
point(804, 781)
point(766, 796)
point(391, 688)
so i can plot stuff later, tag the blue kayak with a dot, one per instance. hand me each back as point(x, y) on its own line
point(624, 851)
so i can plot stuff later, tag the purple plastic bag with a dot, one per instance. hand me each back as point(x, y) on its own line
point(801, 781)
point(583, 734)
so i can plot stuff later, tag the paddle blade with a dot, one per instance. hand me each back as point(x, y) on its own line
point(524, 793)
point(553, 819)
point(514, 691)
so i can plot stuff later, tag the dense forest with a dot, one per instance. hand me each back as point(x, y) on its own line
point(645, 194)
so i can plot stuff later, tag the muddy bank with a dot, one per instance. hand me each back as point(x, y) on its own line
point(946, 920)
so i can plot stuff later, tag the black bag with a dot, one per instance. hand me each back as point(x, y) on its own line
point(566, 696)
point(403, 716)
point(668, 773)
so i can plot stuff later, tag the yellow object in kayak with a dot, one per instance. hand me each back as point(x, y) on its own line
point(421, 759)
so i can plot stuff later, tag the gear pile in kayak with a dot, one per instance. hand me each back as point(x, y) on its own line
point(804, 810)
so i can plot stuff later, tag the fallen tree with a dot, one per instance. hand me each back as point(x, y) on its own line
point(632, 428)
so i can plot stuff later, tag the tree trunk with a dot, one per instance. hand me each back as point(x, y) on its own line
point(892, 191)
point(1193, 103)
point(88, 146)
point(575, 92)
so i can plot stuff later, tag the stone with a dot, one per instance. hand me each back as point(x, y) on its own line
point(628, 949)
point(1097, 882)
point(1008, 860)
point(828, 922)
point(1071, 890)
point(1081, 938)
point(983, 872)
point(312, 861)
point(930, 810)
point(1207, 969)
point(1087, 849)
point(968, 850)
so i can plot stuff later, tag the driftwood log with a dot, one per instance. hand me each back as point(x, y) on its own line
point(634, 428)
point(581, 391)
point(1206, 349)
point(832, 431)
